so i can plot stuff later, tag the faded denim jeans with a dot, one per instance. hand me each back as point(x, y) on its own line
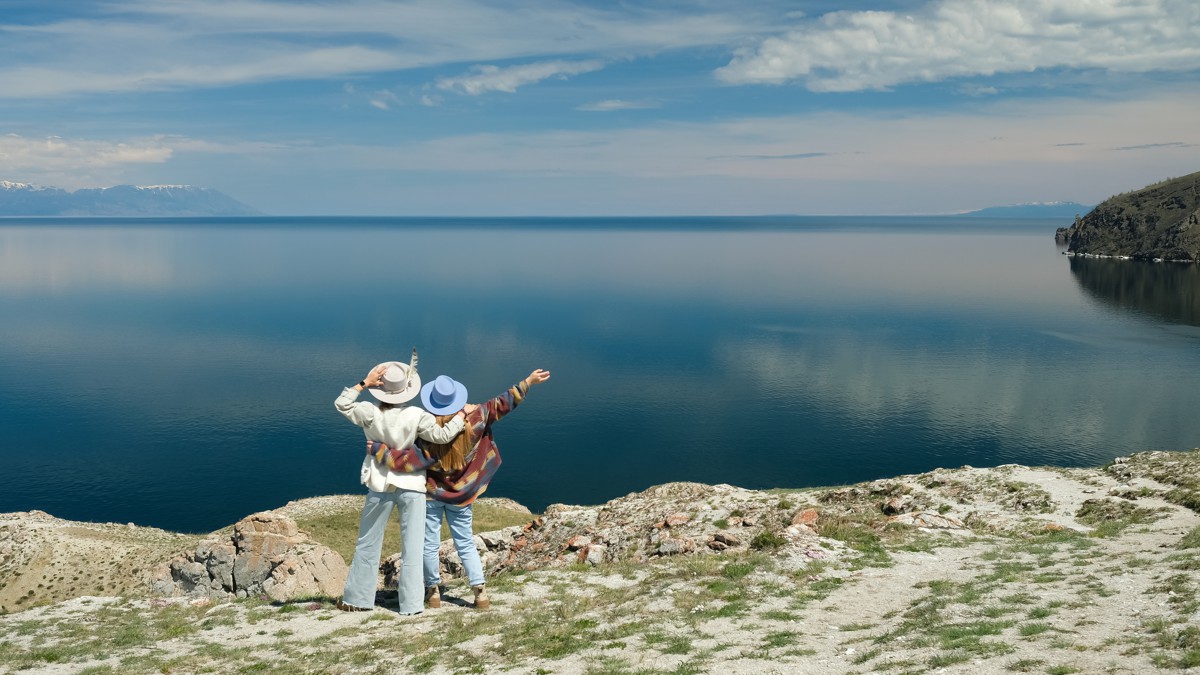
point(459, 520)
point(364, 570)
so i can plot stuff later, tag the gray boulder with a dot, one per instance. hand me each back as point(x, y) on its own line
point(267, 554)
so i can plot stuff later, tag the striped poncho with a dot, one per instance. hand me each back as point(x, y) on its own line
point(464, 486)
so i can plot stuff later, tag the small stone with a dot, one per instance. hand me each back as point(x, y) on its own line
point(578, 542)
point(797, 532)
point(727, 539)
point(677, 519)
point(594, 554)
point(807, 517)
point(894, 506)
point(670, 547)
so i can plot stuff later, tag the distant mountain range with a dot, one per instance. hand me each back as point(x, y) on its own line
point(23, 199)
point(1032, 210)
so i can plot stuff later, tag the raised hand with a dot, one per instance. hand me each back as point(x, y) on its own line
point(537, 377)
point(375, 377)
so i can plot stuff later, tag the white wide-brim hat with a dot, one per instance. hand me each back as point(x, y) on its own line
point(399, 383)
point(443, 395)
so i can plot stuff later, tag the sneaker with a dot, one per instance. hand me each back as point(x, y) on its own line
point(481, 598)
point(433, 597)
point(351, 608)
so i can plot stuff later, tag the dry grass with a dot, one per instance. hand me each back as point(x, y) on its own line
point(337, 527)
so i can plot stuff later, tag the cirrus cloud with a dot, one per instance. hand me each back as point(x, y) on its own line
point(861, 50)
point(611, 105)
point(485, 78)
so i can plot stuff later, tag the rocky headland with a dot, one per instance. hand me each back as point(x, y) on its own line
point(966, 570)
point(1159, 222)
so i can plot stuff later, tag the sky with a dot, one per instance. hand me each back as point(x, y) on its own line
point(606, 108)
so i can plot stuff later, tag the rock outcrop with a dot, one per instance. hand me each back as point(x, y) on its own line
point(1160, 222)
point(677, 519)
point(266, 554)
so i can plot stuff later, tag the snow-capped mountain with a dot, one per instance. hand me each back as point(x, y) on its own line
point(24, 199)
point(1033, 210)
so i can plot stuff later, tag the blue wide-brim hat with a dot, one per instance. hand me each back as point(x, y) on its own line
point(443, 395)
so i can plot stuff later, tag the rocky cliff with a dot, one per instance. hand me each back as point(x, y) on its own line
point(967, 570)
point(1161, 221)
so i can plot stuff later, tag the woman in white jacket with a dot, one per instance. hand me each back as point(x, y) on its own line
point(390, 421)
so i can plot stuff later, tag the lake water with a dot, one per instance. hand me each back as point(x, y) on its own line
point(182, 374)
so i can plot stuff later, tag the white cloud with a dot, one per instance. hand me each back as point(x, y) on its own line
point(135, 45)
point(616, 104)
point(999, 152)
point(18, 153)
point(485, 78)
point(383, 99)
point(207, 71)
point(858, 50)
point(979, 90)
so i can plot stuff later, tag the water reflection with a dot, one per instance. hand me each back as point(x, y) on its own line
point(59, 260)
point(757, 267)
point(1169, 291)
point(193, 369)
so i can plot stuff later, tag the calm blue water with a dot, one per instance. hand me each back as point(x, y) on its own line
point(181, 374)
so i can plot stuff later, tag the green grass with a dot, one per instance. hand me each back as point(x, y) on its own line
point(1186, 498)
point(780, 639)
point(1110, 517)
point(738, 570)
point(766, 540)
point(859, 535)
point(1031, 629)
point(339, 530)
point(1191, 539)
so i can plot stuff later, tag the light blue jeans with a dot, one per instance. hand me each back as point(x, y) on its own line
point(459, 520)
point(364, 570)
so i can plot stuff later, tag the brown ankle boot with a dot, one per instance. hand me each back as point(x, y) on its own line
point(481, 598)
point(433, 597)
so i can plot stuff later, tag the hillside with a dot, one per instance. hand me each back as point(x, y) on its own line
point(1161, 221)
point(1008, 569)
point(23, 199)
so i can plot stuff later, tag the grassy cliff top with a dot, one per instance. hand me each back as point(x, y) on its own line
point(968, 570)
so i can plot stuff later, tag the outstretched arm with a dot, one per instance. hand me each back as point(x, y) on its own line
point(504, 403)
